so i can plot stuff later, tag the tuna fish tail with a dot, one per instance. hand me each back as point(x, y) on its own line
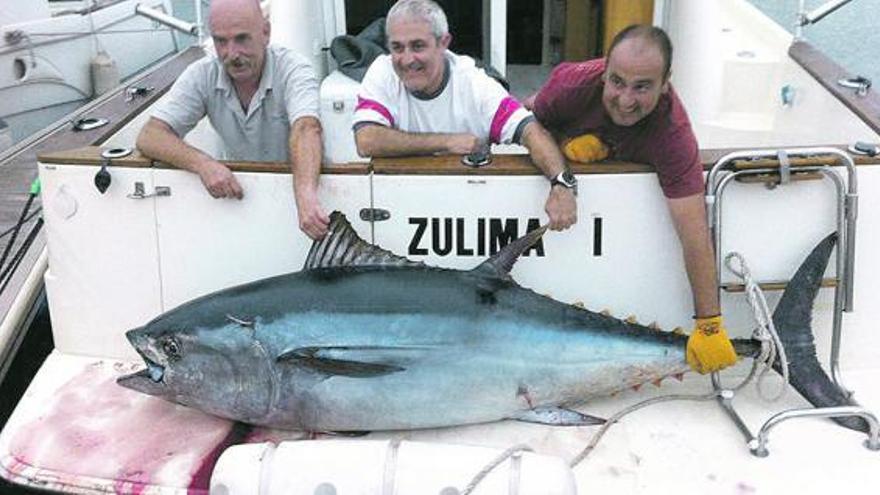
point(792, 319)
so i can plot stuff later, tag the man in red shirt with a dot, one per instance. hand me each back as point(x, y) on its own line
point(624, 107)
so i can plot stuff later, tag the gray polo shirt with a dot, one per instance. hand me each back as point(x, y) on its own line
point(288, 90)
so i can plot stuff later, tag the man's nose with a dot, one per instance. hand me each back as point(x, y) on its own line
point(406, 57)
point(626, 97)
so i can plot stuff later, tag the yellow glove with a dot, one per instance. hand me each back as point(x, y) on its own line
point(708, 348)
point(585, 149)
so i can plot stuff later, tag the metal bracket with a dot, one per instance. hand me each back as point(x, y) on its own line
point(141, 193)
point(859, 83)
point(88, 123)
point(374, 214)
point(784, 167)
point(133, 92)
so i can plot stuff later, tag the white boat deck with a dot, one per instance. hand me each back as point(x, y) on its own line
point(77, 431)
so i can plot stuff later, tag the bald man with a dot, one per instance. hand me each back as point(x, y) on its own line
point(261, 99)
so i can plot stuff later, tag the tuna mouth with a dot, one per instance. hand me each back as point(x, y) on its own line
point(150, 379)
point(154, 370)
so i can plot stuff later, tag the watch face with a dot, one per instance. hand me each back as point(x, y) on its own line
point(568, 177)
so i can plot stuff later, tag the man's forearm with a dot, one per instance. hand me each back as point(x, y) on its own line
point(158, 141)
point(543, 150)
point(381, 141)
point(305, 154)
point(689, 217)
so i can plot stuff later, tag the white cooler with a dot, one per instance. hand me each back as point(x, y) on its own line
point(338, 101)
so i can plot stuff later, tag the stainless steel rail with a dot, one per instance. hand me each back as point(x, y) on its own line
point(758, 446)
point(166, 20)
point(720, 176)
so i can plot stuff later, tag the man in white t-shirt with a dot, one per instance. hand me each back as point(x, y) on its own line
point(424, 99)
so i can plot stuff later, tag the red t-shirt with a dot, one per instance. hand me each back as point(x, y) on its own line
point(570, 104)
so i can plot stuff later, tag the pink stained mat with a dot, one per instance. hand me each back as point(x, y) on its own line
point(76, 430)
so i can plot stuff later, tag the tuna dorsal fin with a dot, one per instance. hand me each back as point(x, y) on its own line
point(343, 247)
point(500, 264)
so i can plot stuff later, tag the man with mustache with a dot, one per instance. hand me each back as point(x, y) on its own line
point(624, 107)
point(261, 99)
point(424, 99)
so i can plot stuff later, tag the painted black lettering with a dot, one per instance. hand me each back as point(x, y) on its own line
point(597, 236)
point(481, 237)
point(421, 224)
point(500, 234)
point(537, 247)
point(460, 248)
point(446, 232)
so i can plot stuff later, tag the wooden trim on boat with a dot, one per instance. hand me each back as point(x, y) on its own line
point(710, 156)
point(828, 72)
point(435, 165)
point(91, 155)
point(501, 165)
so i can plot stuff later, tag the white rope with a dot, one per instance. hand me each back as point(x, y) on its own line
point(770, 347)
point(765, 331)
point(478, 478)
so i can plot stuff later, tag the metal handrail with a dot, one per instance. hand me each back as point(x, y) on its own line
point(719, 177)
point(850, 206)
point(805, 18)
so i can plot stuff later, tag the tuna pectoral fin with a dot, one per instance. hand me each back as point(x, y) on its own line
point(333, 361)
point(557, 416)
point(792, 320)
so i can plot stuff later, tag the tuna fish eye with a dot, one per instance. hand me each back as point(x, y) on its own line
point(171, 348)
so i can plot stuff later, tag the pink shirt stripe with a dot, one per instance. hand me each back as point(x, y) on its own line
point(502, 115)
point(367, 104)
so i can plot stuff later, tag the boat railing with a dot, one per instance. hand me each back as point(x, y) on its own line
point(167, 20)
point(805, 18)
point(782, 167)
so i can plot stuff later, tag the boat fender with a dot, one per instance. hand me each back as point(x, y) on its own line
point(105, 74)
point(389, 467)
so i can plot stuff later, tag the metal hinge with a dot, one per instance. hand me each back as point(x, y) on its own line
point(140, 191)
point(374, 214)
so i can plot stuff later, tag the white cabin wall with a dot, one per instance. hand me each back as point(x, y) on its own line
point(693, 29)
point(103, 276)
point(208, 244)
point(299, 25)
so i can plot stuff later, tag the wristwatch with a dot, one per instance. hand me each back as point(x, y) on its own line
point(567, 180)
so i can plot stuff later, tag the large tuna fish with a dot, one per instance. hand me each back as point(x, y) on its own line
point(362, 339)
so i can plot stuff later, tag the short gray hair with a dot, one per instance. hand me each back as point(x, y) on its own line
point(426, 10)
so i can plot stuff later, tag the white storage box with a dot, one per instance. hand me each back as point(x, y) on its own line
point(338, 101)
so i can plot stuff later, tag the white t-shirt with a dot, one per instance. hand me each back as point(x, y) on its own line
point(471, 102)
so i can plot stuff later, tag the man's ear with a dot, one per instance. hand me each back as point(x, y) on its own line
point(445, 41)
point(665, 87)
point(267, 30)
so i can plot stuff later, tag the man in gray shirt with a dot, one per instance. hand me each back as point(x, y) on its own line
point(263, 102)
